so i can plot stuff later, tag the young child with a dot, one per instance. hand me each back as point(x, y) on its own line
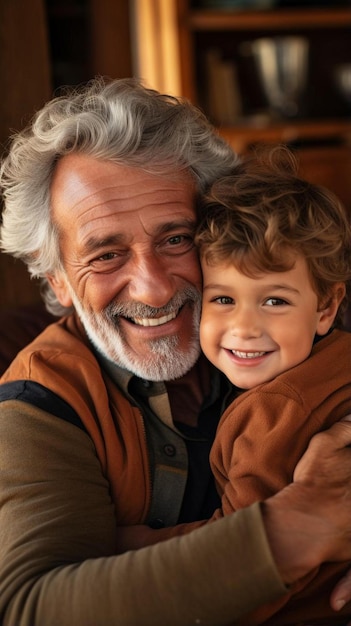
point(276, 259)
point(275, 252)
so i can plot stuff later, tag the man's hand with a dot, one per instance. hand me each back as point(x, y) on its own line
point(335, 464)
point(341, 595)
point(309, 521)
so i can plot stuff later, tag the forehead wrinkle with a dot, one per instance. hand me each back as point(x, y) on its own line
point(122, 189)
point(77, 193)
point(75, 206)
point(108, 202)
point(169, 226)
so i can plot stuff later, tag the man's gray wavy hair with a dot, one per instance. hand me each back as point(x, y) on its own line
point(119, 121)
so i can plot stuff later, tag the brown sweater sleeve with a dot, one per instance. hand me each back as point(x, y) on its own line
point(58, 539)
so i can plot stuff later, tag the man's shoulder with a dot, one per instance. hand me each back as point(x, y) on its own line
point(63, 340)
point(39, 396)
point(61, 361)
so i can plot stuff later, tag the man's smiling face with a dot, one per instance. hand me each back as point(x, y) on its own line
point(130, 266)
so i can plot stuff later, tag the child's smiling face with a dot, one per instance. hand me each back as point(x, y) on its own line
point(255, 328)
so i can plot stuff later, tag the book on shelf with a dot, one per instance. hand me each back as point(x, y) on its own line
point(223, 91)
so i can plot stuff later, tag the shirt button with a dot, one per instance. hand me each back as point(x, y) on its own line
point(157, 523)
point(169, 449)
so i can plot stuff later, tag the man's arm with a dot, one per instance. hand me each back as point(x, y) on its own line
point(58, 541)
point(58, 537)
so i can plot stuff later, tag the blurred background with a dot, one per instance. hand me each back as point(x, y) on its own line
point(262, 70)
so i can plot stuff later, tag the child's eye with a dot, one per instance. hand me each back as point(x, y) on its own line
point(223, 300)
point(275, 301)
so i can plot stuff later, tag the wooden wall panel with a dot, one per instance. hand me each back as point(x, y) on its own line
point(25, 86)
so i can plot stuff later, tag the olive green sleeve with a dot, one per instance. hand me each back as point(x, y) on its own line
point(58, 538)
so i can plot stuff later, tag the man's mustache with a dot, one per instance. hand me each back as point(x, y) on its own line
point(140, 310)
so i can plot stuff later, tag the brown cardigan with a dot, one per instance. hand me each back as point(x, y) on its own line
point(61, 360)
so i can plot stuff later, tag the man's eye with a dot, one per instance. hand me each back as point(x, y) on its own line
point(275, 301)
point(177, 244)
point(107, 262)
point(180, 239)
point(175, 240)
point(108, 256)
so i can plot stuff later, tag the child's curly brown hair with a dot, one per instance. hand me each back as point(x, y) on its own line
point(264, 214)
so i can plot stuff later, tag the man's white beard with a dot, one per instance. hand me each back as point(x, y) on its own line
point(166, 360)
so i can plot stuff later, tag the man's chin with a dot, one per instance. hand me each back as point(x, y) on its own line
point(161, 368)
point(164, 359)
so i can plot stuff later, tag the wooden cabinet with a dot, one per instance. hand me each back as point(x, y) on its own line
point(320, 131)
point(26, 85)
point(328, 31)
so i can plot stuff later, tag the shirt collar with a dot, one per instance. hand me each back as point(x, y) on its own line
point(155, 393)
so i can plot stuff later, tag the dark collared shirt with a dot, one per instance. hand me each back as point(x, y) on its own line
point(183, 488)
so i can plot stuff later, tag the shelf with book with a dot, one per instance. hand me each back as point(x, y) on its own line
point(223, 61)
point(214, 66)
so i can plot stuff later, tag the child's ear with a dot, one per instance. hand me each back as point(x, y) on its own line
point(58, 284)
point(328, 314)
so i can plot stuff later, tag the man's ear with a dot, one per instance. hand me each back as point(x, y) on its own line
point(58, 284)
point(329, 310)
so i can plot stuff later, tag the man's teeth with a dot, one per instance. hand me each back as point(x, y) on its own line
point(247, 355)
point(154, 321)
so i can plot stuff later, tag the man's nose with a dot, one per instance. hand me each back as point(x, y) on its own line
point(151, 281)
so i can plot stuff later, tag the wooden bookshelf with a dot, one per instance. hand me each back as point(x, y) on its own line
point(322, 130)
